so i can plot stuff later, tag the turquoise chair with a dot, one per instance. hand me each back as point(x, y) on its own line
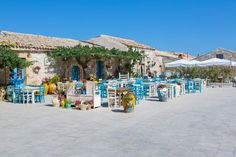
point(10, 92)
point(137, 90)
point(39, 97)
point(102, 90)
point(190, 86)
point(17, 95)
point(198, 85)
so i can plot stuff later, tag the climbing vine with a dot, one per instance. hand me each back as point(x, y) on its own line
point(96, 52)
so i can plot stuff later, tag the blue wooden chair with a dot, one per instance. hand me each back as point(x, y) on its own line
point(102, 90)
point(10, 92)
point(137, 90)
point(39, 97)
point(17, 95)
point(27, 96)
point(190, 86)
point(198, 85)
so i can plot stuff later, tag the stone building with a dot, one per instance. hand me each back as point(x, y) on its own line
point(150, 62)
point(218, 53)
point(167, 57)
point(35, 48)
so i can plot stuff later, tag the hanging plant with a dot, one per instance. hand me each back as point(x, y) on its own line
point(36, 69)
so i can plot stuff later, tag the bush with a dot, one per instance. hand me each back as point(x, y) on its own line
point(213, 73)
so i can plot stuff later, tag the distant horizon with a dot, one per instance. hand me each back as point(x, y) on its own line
point(192, 27)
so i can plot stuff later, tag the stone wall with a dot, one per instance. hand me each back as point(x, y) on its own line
point(40, 60)
point(87, 66)
point(227, 55)
point(153, 62)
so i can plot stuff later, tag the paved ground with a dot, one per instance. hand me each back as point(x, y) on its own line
point(191, 126)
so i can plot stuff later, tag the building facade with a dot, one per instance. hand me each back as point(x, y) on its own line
point(218, 53)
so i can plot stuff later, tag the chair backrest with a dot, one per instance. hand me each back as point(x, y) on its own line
point(111, 93)
point(112, 84)
point(42, 90)
point(17, 90)
point(123, 76)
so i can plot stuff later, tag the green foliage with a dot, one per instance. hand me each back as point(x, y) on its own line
point(213, 73)
point(55, 79)
point(96, 52)
point(8, 58)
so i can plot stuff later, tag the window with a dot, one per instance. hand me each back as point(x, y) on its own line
point(220, 56)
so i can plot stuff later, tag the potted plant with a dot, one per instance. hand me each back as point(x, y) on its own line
point(2, 93)
point(128, 102)
point(56, 99)
point(68, 103)
point(77, 103)
point(83, 106)
point(52, 83)
point(162, 92)
point(45, 84)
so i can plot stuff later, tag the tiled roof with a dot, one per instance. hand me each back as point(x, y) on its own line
point(115, 40)
point(173, 55)
point(38, 42)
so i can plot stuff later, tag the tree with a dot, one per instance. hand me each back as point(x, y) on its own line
point(9, 59)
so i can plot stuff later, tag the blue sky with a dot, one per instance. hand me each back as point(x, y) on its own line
point(190, 26)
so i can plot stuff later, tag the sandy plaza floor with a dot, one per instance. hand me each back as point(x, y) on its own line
point(194, 125)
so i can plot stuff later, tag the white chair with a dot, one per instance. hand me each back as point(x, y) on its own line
point(27, 96)
point(123, 76)
point(112, 97)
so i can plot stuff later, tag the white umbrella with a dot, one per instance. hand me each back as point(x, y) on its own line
point(233, 64)
point(178, 63)
point(215, 61)
point(194, 63)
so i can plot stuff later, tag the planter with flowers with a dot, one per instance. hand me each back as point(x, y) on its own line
point(162, 92)
point(52, 84)
point(2, 93)
point(129, 102)
point(68, 103)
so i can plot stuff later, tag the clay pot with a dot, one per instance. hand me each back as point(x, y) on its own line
point(127, 105)
point(51, 88)
point(83, 107)
point(55, 102)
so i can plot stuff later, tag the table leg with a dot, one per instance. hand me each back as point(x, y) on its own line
point(33, 98)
